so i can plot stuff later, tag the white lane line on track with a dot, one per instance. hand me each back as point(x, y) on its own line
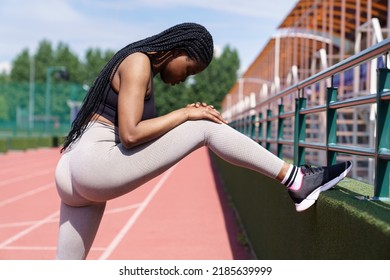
point(26, 223)
point(27, 176)
point(28, 230)
point(37, 163)
point(30, 248)
point(55, 220)
point(29, 193)
point(122, 209)
point(42, 248)
point(118, 238)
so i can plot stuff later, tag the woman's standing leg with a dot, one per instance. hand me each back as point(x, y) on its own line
point(78, 227)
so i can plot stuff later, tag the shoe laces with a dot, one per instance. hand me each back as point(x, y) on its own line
point(307, 169)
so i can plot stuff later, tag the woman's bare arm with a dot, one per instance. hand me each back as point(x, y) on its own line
point(134, 76)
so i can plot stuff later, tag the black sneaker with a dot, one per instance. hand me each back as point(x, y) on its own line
point(316, 180)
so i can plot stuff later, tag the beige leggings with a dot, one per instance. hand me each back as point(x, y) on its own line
point(98, 168)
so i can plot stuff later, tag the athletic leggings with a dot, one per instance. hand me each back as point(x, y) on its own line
point(98, 168)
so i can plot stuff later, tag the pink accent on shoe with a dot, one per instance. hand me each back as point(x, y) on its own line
point(298, 181)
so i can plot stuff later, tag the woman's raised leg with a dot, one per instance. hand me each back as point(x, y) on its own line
point(108, 170)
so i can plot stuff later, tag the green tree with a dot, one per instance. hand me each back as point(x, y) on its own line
point(3, 109)
point(169, 98)
point(210, 86)
point(21, 67)
point(95, 59)
point(80, 73)
point(4, 77)
point(43, 58)
point(63, 56)
point(213, 84)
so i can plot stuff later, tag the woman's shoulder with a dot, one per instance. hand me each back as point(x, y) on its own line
point(136, 63)
point(137, 58)
point(135, 67)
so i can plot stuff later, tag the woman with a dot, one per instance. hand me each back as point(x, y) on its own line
point(117, 143)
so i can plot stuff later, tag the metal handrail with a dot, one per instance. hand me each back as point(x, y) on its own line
point(352, 61)
point(381, 152)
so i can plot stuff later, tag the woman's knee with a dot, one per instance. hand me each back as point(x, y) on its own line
point(206, 129)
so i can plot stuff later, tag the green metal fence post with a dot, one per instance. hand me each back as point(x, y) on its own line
point(260, 129)
point(253, 127)
point(248, 126)
point(243, 129)
point(280, 131)
point(268, 130)
point(382, 149)
point(239, 125)
point(245, 125)
point(331, 125)
point(299, 131)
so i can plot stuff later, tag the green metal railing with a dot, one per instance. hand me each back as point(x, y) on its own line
point(253, 125)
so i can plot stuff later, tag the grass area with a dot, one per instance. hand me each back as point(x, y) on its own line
point(28, 142)
point(338, 226)
point(355, 197)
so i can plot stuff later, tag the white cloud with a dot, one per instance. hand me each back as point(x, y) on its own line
point(25, 23)
point(5, 67)
point(217, 50)
point(42, 10)
point(110, 24)
point(252, 8)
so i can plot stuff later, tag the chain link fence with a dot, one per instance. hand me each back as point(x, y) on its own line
point(32, 112)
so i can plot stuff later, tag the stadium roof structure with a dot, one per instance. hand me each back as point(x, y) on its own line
point(311, 26)
point(341, 17)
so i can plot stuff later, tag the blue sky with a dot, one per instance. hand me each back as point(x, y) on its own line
point(245, 25)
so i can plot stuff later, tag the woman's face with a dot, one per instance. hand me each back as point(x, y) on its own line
point(179, 68)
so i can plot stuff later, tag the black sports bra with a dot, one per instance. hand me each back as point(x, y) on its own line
point(109, 107)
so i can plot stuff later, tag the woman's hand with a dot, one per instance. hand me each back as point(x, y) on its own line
point(199, 111)
point(198, 104)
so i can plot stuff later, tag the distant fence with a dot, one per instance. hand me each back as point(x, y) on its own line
point(29, 110)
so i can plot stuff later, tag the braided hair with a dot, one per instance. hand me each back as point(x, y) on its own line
point(193, 38)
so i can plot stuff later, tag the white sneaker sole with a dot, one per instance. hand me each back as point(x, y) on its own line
point(312, 198)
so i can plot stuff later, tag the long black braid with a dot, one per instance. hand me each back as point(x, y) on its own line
point(193, 38)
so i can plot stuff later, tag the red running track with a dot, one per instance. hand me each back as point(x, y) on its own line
point(182, 214)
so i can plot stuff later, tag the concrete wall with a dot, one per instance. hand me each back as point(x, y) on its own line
point(338, 226)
